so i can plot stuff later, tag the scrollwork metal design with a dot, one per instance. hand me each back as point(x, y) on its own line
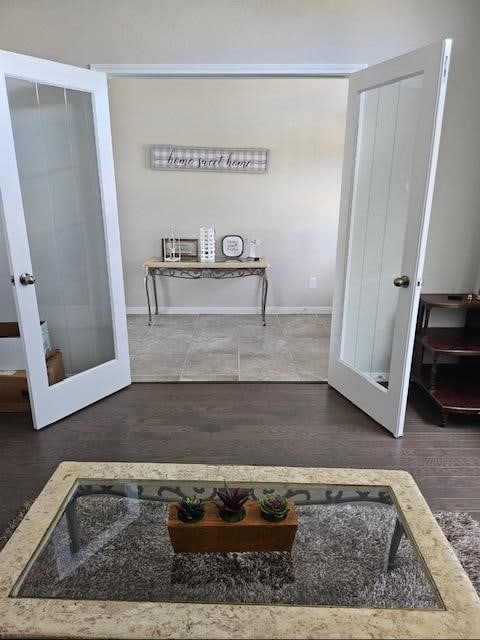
point(169, 493)
point(205, 272)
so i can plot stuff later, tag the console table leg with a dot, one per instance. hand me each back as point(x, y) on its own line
point(264, 295)
point(444, 419)
point(148, 298)
point(154, 278)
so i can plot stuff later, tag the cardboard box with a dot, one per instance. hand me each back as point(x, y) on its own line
point(12, 357)
point(14, 388)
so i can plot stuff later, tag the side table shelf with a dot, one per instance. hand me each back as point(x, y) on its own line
point(454, 386)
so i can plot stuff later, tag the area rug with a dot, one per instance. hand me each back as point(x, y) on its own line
point(338, 559)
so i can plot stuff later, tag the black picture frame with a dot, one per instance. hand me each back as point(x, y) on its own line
point(231, 238)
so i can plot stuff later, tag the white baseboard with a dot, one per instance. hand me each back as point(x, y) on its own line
point(230, 310)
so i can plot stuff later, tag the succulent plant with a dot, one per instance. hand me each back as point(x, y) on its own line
point(190, 509)
point(274, 507)
point(231, 503)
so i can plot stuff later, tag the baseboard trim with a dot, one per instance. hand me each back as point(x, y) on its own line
point(230, 310)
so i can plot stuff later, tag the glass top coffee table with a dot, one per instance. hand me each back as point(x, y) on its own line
point(93, 558)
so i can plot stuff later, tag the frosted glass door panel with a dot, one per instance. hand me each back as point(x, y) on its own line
point(57, 163)
point(387, 127)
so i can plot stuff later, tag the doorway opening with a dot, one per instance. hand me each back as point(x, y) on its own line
point(210, 329)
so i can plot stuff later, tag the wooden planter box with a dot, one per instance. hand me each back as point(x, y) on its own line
point(214, 535)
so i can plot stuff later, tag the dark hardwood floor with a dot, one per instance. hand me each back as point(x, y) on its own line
point(246, 423)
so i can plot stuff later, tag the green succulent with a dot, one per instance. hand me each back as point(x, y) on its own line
point(274, 507)
point(190, 509)
point(231, 503)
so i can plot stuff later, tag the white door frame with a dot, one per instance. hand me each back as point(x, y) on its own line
point(228, 70)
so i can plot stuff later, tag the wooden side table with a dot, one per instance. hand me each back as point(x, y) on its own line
point(454, 387)
point(218, 270)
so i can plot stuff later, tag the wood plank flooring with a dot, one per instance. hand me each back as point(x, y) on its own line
point(248, 423)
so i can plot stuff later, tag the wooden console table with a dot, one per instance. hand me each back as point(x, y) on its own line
point(193, 270)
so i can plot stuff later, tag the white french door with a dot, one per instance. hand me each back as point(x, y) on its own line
point(59, 212)
point(394, 119)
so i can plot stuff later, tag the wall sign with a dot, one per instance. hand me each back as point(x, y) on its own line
point(169, 157)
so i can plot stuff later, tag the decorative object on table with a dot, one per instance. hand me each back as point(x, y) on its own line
point(230, 507)
point(253, 243)
point(207, 244)
point(274, 507)
point(232, 246)
point(171, 247)
point(190, 509)
point(168, 157)
point(187, 248)
point(212, 534)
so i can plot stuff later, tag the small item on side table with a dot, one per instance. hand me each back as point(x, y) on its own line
point(253, 243)
point(207, 244)
point(232, 246)
point(171, 247)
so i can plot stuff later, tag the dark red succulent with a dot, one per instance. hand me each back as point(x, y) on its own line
point(230, 506)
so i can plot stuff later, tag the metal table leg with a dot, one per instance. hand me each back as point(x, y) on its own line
point(147, 275)
point(264, 295)
point(398, 532)
point(154, 280)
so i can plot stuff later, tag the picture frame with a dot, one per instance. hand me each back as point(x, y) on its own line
point(232, 246)
point(188, 248)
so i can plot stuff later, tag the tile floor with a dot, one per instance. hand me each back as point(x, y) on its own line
point(229, 348)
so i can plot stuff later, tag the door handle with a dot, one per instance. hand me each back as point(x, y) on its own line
point(402, 281)
point(26, 279)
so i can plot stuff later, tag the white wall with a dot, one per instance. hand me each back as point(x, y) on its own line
point(293, 31)
point(293, 208)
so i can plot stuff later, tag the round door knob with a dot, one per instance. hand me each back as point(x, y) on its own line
point(26, 278)
point(402, 281)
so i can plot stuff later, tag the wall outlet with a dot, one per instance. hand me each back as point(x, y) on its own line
point(312, 283)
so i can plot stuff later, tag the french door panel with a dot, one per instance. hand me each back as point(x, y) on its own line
point(60, 218)
point(394, 118)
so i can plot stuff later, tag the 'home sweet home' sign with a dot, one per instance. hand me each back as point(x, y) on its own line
point(168, 157)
